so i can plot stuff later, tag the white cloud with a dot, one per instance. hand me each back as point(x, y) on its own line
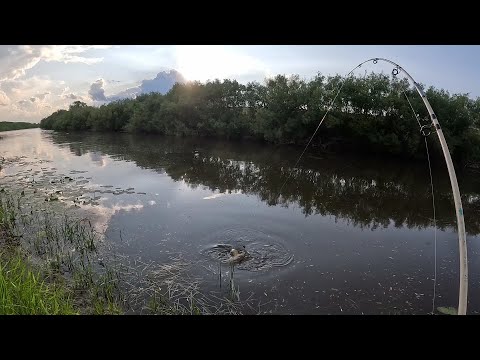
point(33, 86)
point(72, 96)
point(16, 60)
point(4, 99)
point(97, 92)
point(32, 98)
point(42, 96)
point(48, 96)
point(67, 53)
point(162, 83)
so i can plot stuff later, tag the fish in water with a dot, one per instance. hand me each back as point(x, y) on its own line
point(237, 256)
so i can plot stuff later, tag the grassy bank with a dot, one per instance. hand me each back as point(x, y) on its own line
point(53, 263)
point(46, 265)
point(24, 291)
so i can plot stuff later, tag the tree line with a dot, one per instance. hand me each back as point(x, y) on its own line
point(9, 125)
point(370, 114)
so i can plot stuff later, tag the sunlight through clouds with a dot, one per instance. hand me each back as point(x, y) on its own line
point(99, 74)
point(208, 62)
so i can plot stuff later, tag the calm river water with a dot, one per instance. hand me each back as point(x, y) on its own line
point(346, 235)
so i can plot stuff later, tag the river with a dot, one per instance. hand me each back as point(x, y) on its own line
point(345, 234)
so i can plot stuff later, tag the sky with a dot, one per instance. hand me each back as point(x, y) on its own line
point(37, 80)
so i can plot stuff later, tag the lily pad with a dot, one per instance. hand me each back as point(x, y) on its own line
point(447, 310)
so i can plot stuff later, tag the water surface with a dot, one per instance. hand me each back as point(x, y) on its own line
point(346, 235)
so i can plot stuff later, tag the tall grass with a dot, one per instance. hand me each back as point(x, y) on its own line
point(24, 292)
point(77, 272)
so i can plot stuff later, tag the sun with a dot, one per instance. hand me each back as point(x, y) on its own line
point(209, 62)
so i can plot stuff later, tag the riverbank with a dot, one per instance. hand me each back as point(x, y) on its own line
point(57, 264)
point(24, 288)
point(10, 126)
point(47, 261)
point(25, 291)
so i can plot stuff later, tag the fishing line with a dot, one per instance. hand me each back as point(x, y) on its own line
point(423, 131)
point(425, 135)
point(411, 107)
point(434, 229)
point(320, 123)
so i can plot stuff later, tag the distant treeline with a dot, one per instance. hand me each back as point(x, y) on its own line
point(8, 125)
point(370, 114)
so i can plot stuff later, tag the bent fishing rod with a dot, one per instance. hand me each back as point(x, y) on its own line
point(425, 131)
